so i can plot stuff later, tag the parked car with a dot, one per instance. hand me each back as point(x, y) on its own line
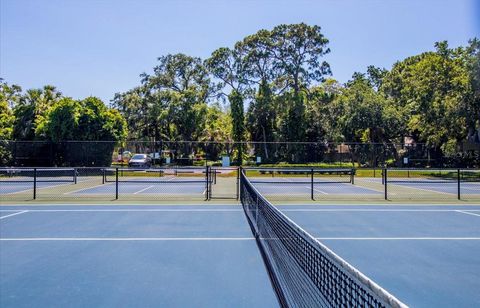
point(140, 161)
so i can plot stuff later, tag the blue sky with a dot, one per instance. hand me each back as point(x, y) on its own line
point(95, 47)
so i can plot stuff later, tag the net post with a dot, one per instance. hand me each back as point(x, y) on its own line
point(116, 183)
point(458, 184)
point(385, 181)
point(34, 183)
point(238, 184)
point(311, 185)
point(207, 183)
point(240, 173)
point(256, 217)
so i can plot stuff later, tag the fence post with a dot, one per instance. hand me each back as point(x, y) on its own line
point(75, 175)
point(103, 175)
point(458, 184)
point(34, 183)
point(116, 183)
point(352, 176)
point(385, 182)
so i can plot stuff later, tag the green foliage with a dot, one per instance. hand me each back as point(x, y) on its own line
point(277, 94)
point(171, 104)
point(30, 113)
point(8, 98)
point(261, 120)
point(238, 122)
point(86, 120)
point(431, 92)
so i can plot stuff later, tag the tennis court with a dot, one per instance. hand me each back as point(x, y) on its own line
point(156, 255)
point(425, 255)
point(255, 255)
point(130, 256)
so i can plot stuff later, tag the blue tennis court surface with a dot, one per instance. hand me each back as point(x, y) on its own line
point(324, 188)
point(16, 187)
point(427, 256)
point(468, 188)
point(448, 188)
point(130, 257)
point(145, 188)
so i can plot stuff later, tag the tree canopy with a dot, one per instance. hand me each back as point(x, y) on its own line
point(271, 88)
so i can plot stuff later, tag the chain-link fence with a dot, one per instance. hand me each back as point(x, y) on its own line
point(192, 153)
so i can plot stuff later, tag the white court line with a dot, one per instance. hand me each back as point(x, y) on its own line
point(405, 185)
point(141, 190)
point(18, 213)
point(400, 238)
point(288, 180)
point(468, 213)
point(38, 188)
point(370, 210)
point(127, 239)
point(135, 210)
point(79, 190)
point(318, 190)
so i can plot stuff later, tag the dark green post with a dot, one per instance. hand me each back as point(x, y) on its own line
point(458, 184)
point(238, 183)
point(207, 183)
point(311, 185)
point(34, 183)
point(385, 181)
point(116, 183)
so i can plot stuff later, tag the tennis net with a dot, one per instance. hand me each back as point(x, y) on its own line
point(430, 176)
point(303, 271)
point(30, 175)
point(299, 175)
point(156, 175)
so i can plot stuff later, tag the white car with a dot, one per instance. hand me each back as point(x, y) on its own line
point(140, 161)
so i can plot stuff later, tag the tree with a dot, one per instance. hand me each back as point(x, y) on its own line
point(30, 112)
point(431, 92)
point(228, 66)
point(260, 72)
point(471, 58)
point(297, 50)
point(9, 96)
point(87, 120)
point(320, 119)
point(217, 136)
